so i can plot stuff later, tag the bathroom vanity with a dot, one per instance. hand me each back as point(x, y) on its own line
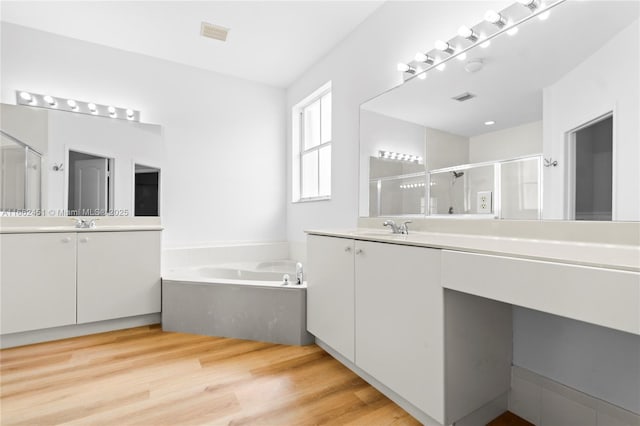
point(427, 317)
point(59, 280)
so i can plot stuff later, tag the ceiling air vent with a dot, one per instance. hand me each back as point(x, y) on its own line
point(464, 97)
point(215, 32)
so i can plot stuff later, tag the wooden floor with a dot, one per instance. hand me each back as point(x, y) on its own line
point(144, 376)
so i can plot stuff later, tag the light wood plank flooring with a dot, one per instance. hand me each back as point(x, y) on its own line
point(144, 376)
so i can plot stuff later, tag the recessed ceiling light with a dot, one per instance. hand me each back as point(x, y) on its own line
point(489, 123)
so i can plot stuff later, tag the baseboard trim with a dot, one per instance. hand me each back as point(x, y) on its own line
point(65, 332)
point(541, 400)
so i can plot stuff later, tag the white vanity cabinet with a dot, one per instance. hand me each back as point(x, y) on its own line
point(37, 280)
point(330, 292)
point(399, 321)
point(381, 307)
point(118, 275)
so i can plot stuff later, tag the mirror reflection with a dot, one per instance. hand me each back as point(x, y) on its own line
point(541, 124)
point(86, 165)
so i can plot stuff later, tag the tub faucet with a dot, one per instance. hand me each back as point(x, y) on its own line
point(299, 273)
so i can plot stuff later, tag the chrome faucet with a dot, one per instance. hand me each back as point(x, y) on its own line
point(299, 273)
point(398, 229)
point(85, 223)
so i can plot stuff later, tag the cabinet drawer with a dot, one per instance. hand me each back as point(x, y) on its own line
point(606, 297)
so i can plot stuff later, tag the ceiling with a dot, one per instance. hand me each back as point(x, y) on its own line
point(271, 42)
point(516, 70)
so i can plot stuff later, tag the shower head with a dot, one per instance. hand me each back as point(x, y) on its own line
point(457, 174)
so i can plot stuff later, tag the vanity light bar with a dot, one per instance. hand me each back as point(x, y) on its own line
point(73, 105)
point(412, 185)
point(398, 156)
point(505, 21)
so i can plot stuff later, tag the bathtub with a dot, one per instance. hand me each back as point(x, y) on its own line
point(243, 300)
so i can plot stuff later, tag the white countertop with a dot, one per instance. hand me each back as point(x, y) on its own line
point(613, 256)
point(106, 228)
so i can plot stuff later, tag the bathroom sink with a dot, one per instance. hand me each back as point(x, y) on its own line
point(377, 234)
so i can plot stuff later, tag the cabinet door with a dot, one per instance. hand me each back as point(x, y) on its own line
point(38, 281)
point(118, 274)
point(330, 292)
point(399, 321)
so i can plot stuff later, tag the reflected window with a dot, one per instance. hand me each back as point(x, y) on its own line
point(312, 146)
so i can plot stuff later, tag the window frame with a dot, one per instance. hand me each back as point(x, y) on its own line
point(298, 146)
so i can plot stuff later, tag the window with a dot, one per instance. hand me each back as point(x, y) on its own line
point(312, 146)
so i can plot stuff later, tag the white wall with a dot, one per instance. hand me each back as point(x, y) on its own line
point(606, 81)
point(513, 142)
point(445, 149)
point(224, 176)
point(361, 67)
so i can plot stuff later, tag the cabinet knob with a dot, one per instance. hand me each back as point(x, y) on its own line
point(347, 249)
point(84, 239)
point(359, 251)
point(66, 240)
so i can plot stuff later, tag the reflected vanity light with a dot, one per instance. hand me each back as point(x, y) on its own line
point(441, 67)
point(512, 31)
point(389, 155)
point(462, 56)
point(412, 185)
point(71, 105)
point(544, 15)
point(489, 123)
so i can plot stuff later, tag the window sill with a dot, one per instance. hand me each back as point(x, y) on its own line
point(312, 199)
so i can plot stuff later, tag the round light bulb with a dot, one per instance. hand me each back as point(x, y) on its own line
point(93, 108)
point(442, 45)
point(465, 32)
point(130, 113)
point(512, 31)
point(72, 104)
point(49, 99)
point(441, 67)
point(403, 67)
point(26, 96)
point(485, 44)
point(462, 56)
point(111, 110)
point(420, 57)
point(492, 16)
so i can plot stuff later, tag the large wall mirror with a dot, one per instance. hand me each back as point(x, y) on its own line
point(60, 163)
point(540, 123)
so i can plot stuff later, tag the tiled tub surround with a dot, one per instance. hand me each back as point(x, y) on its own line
point(234, 291)
point(589, 272)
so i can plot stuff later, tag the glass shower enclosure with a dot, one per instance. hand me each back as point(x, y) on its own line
point(20, 177)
